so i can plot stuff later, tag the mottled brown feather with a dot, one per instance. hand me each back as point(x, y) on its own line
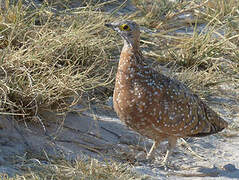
point(155, 105)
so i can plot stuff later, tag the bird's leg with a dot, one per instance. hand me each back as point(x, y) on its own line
point(152, 150)
point(171, 145)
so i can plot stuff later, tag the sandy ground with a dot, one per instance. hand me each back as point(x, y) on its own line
point(98, 133)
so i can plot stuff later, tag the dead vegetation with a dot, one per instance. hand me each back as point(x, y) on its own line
point(59, 169)
point(49, 61)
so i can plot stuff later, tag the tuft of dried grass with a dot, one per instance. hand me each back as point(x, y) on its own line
point(80, 169)
point(48, 61)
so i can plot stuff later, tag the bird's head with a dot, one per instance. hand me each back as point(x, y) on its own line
point(128, 30)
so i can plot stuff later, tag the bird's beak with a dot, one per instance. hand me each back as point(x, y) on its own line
point(109, 26)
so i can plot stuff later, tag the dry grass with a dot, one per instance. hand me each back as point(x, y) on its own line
point(47, 59)
point(59, 169)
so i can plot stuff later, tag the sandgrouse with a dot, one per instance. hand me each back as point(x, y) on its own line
point(155, 105)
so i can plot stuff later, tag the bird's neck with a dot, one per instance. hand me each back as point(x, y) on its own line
point(131, 44)
point(130, 56)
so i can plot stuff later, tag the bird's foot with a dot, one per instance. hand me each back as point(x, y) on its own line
point(148, 159)
point(190, 149)
point(149, 156)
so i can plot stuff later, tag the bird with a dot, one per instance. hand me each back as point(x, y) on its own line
point(154, 105)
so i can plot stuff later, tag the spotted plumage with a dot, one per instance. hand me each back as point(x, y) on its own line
point(153, 104)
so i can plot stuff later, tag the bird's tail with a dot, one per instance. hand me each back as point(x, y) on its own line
point(214, 123)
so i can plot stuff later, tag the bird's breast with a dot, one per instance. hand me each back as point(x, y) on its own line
point(132, 99)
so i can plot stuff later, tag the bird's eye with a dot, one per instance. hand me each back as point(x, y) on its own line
point(125, 27)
